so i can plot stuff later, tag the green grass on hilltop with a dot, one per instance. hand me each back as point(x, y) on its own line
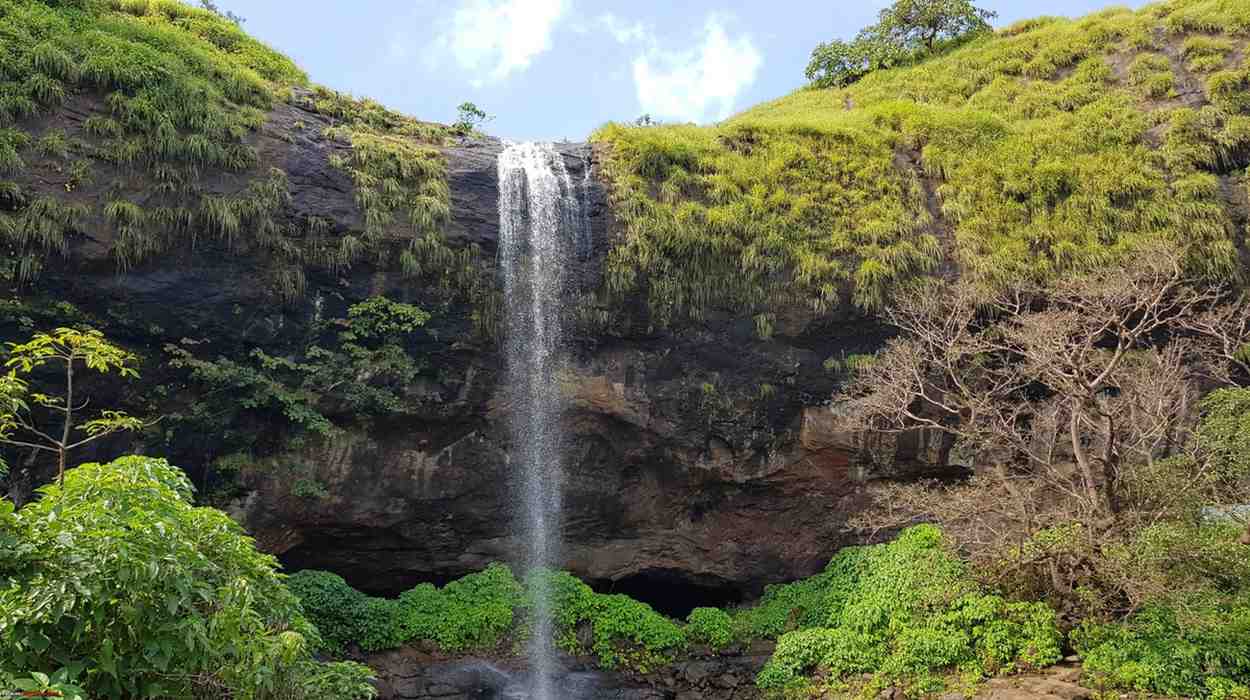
point(1053, 145)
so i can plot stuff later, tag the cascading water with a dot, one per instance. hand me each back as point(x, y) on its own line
point(540, 219)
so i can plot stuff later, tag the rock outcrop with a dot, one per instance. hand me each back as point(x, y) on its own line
point(408, 674)
point(702, 463)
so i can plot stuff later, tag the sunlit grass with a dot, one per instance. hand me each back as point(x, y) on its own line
point(1039, 156)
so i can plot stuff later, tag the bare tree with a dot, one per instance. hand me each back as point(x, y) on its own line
point(1221, 337)
point(1074, 401)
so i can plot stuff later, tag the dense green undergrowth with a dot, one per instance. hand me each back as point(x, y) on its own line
point(179, 602)
point(906, 614)
point(1054, 145)
point(905, 611)
point(116, 582)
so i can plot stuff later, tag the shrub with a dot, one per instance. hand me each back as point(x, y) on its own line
point(905, 611)
point(479, 612)
point(630, 634)
point(479, 609)
point(811, 602)
point(329, 603)
point(801, 652)
point(180, 601)
point(380, 624)
point(1155, 652)
point(711, 626)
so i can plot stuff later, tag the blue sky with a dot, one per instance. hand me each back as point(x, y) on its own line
point(558, 69)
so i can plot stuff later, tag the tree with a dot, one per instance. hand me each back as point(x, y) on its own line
point(116, 574)
point(907, 30)
point(366, 368)
point(65, 350)
point(912, 25)
point(469, 117)
point(1073, 402)
point(212, 7)
point(838, 63)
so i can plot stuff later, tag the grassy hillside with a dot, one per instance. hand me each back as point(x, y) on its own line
point(1053, 145)
point(137, 121)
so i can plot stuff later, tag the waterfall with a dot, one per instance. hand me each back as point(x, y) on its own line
point(540, 219)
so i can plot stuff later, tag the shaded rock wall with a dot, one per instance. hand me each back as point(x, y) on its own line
point(700, 457)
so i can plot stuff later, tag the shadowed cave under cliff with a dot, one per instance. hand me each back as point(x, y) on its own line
point(670, 592)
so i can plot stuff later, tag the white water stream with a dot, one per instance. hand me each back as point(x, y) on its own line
point(540, 219)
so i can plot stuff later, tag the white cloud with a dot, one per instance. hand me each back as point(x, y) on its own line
point(624, 31)
point(697, 84)
point(492, 39)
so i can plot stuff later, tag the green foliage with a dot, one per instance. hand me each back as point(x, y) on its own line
point(379, 318)
point(1153, 74)
point(35, 229)
point(330, 604)
point(471, 613)
point(351, 368)
point(711, 626)
point(58, 685)
point(1189, 574)
point(1020, 156)
point(1206, 53)
point(65, 351)
point(905, 611)
point(469, 117)
point(1223, 434)
point(628, 634)
point(479, 609)
point(1154, 652)
point(115, 572)
point(905, 31)
point(1228, 90)
point(183, 87)
point(479, 612)
point(838, 63)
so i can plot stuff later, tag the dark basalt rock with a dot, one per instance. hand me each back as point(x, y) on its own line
point(700, 457)
point(408, 674)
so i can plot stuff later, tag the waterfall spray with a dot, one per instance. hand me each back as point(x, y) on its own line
point(540, 217)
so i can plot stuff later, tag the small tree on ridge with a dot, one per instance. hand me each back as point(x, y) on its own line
point(904, 31)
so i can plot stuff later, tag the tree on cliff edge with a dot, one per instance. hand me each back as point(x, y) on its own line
point(904, 31)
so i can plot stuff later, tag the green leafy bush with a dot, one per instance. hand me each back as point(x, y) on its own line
point(474, 612)
point(1155, 652)
point(179, 600)
point(330, 603)
point(630, 634)
point(711, 626)
point(479, 609)
point(483, 610)
point(905, 611)
point(810, 602)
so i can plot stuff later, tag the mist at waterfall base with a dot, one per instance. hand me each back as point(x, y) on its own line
point(539, 217)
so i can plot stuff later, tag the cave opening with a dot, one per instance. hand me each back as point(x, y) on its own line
point(674, 593)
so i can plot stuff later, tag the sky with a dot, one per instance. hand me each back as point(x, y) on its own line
point(559, 69)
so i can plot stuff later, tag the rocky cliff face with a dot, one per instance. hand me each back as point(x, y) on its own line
point(702, 466)
point(702, 460)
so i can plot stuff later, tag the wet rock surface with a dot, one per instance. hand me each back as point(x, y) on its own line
point(700, 458)
point(412, 675)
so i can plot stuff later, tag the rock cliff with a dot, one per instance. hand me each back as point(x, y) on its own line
point(702, 464)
